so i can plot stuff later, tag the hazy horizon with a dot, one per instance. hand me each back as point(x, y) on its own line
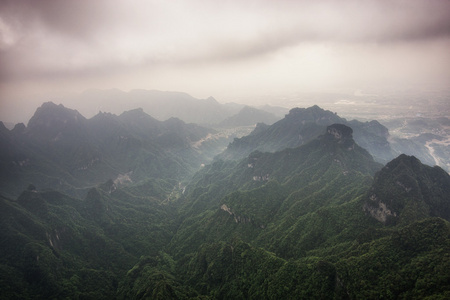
point(253, 52)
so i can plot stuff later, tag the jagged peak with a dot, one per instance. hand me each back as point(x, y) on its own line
point(313, 114)
point(138, 110)
point(314, 108)
point(50, 111)
point(104, 114)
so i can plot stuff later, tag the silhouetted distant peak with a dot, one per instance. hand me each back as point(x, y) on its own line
point(211, 99)
point(19, 128)
point(313, 114)
point(134, 113)
point(248, 116)
point(50, 121)
point(137, 110)
point(297, 110)
point(51, 112)
point(174, 121)
point(104, 115)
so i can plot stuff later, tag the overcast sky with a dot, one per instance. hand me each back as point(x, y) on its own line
point(225, 49)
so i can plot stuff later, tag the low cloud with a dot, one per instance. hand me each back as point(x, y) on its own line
point(51, 39)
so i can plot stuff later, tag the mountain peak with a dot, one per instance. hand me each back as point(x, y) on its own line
point(211, 99)
point(19, 128)
point(313, 114)
point(51, 120)
point(51, 112)
point(249, 116)
point(406, 190)
point(340, 132)
point(406, 161)
point(134, 113)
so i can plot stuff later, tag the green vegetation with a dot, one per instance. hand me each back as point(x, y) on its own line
point(320, 221)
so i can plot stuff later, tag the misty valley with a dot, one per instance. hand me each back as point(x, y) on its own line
point(193, 199)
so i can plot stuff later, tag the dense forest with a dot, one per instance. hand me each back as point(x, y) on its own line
point(129, 207)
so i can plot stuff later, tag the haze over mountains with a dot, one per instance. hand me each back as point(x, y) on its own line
point(120, 206)
point(307, 156)
point(162, 105)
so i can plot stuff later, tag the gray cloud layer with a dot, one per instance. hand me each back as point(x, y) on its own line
point(52, 39)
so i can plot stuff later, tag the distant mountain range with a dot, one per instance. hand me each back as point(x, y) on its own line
point(163, 105)
point(302, 125)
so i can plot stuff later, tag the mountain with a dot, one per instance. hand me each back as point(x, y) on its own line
point(278, 111)
point(162, 105)
point(249, 116)
point(405, 191)
point(309, 232)
point(266, 188)
point(56, 246)
point(121, 208)
point(302, 125)
point(61, 149)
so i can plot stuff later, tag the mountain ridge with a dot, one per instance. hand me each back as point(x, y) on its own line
point(73, 153)
point(304, 124)
point(316, 220)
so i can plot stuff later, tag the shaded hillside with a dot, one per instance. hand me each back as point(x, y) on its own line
point(55, 246)
point(61, 149)
point(268, 190)
point(323, 242)
point(405, 191)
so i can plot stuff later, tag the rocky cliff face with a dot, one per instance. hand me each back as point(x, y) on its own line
point(341, 134)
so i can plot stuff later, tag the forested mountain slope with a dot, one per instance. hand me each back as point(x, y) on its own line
point(61, 149)
point(320, 220)
point(310, 235)
point(302, 125)
point(55, 246)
